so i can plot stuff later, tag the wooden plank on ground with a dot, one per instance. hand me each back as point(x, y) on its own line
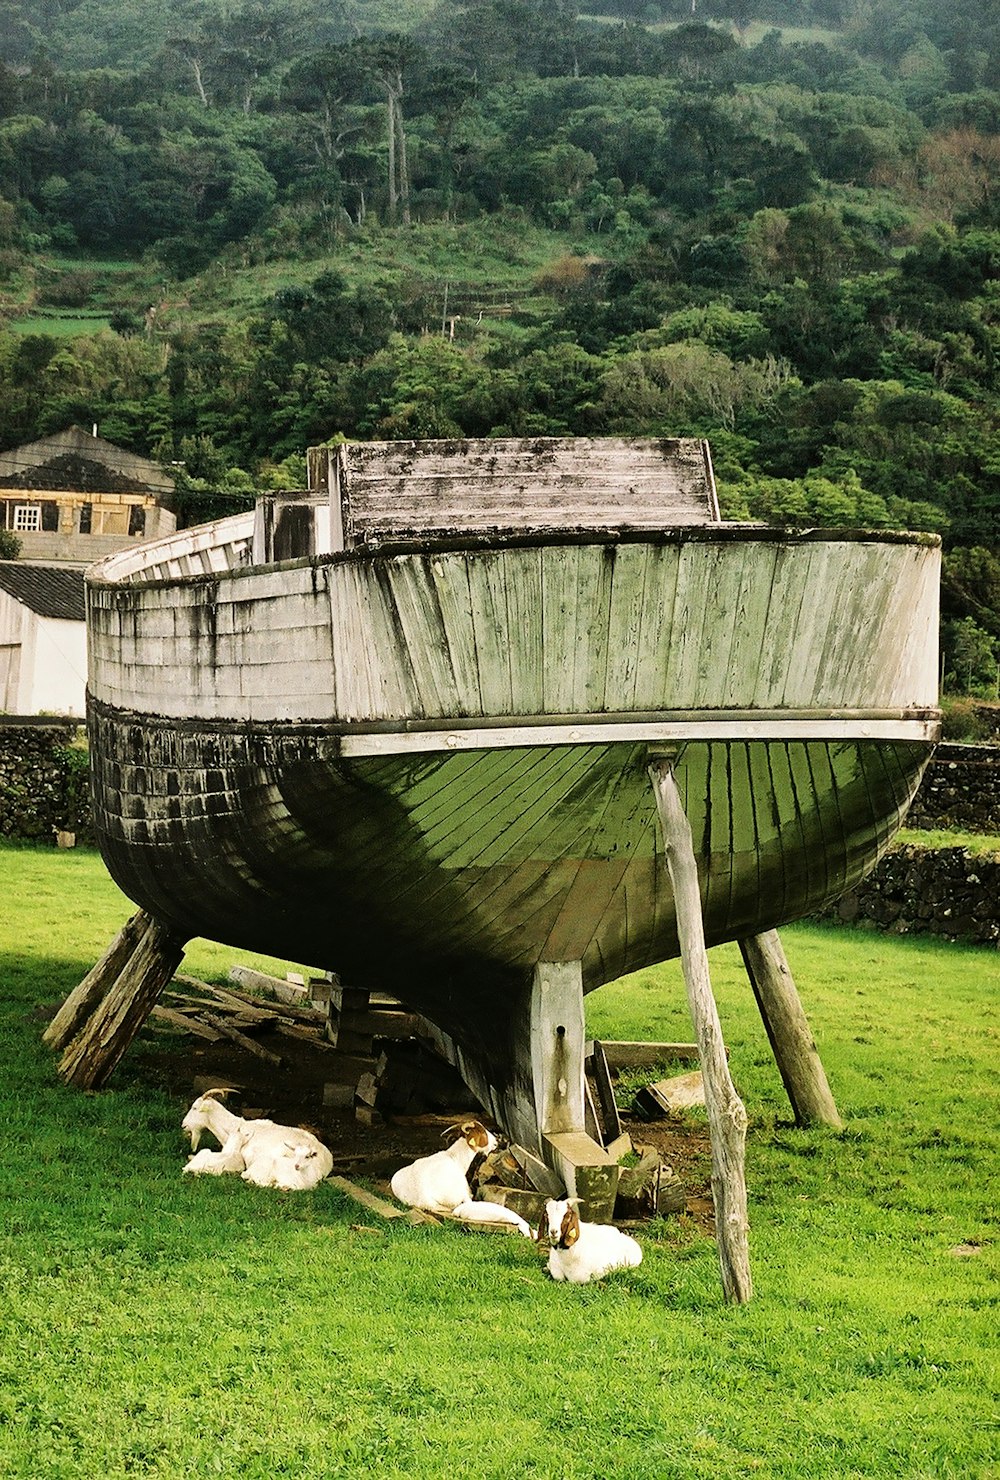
point(599, 1069)
point(539, 1174)
point(670, 1096)
point(185, 1023)
point(234, 1034)
point(379, 1205)
point(627, 1055)
point(305, 1034)
point(232, 1001)
point(258, 981)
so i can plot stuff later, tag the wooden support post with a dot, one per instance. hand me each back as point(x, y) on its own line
point(787, 1029)
point(349, 1028)
point(557, 1045)
point(557, 1053)
point(727, 1118)
point(124, 995)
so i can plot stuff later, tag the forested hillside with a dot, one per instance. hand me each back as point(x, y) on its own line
point(229, 229)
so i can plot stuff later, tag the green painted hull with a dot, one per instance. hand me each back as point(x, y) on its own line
point(445, 877)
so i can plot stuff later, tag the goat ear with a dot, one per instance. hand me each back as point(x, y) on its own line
point(477, 1136)
point(569, 1232)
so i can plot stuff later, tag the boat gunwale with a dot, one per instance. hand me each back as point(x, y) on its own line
point(488, 542)
point(758, 725)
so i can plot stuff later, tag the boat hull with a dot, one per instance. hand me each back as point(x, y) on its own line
point(445, 876)
point(425, 766)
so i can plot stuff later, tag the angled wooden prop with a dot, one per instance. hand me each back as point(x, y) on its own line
point(788, 1031)
point(727, 1117)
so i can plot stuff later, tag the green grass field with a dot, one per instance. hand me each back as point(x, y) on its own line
point(155, 1325)
point(976, 844)
point(59, 325)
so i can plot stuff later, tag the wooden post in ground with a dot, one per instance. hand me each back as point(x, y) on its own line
point(557, 1037)
point(787, 1029)
point(727, 1118)
point(117, 1000)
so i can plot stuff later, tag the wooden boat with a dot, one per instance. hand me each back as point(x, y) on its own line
point(400, 727)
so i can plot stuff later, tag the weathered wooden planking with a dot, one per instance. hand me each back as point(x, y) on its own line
point(225, 544)
point(403, 490)
point(484, 857)
point(755, 622)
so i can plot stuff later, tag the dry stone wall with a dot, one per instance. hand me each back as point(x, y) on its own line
point(44, 785)
point(940, 891)
point(932, 891)
point(960, 790)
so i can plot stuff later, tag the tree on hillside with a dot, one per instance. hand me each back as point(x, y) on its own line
point(229, 54)
point(328, 86)
point(387, 60)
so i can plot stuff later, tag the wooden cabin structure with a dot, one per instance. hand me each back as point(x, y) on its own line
point(489, 724)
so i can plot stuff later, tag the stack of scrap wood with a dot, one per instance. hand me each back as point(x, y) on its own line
point(357, 1017)
point(409, 1078)
point(377, 1061)
point(519, 1181)
point(649, 1186)
point(211, 1012)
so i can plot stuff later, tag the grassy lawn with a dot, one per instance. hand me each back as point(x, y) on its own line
point(978, 844)
point(154, 1325)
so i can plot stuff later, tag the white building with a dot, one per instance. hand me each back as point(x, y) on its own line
point(43, 639)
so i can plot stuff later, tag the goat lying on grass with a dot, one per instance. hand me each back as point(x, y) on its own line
point(581, 1252)
point(440, 1182)
point(266, 1154)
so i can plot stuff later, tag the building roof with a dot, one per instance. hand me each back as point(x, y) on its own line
point(78, 462)
point(47, 590)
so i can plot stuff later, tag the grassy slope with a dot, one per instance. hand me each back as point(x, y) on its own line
point(493, 254)
point(151, 1325)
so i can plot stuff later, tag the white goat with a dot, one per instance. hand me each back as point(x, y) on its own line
point(580, 1252)
point(262, 1152)
point(438, 1183)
